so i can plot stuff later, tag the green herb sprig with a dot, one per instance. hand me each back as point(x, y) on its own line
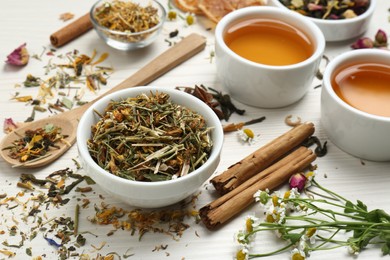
point(311, 224)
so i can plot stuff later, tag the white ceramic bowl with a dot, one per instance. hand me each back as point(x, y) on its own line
point(262, 85)
point(340, 30)
point(356, 132)
point(150, 194)
point(129, 40)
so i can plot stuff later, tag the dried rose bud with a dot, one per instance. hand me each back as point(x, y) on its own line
point(297, 181)
point(363, 43)
point(19, 56)
point(9, 125)
point(381, 38)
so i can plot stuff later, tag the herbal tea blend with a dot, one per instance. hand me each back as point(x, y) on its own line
point(328, 9)
point(149, 138)
point(36, 143)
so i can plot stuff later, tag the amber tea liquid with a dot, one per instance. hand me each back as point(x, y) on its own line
point(364, 86)
point(268, 42)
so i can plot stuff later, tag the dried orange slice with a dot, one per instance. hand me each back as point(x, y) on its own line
point(190, 6)
point(216, 9)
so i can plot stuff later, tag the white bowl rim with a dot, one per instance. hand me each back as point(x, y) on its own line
point(217, 146)
point(339, 60)
point(363, 16)
point(319, 36)
point(160, 24)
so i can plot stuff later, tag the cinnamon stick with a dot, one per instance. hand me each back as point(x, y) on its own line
point(241, 171)
point(71, 31)
point(224, 208)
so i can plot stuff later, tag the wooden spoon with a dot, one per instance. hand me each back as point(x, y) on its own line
point(68, 121)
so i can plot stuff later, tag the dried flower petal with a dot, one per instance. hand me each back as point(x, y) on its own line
point(66, 16)
point(9, 125)
point(314, 7)
point(348, 14)
point(19, 56)
point(363, 43)
point(297, 181)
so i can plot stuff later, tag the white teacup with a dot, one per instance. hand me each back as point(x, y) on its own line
point(260, 85)
point(358, 133)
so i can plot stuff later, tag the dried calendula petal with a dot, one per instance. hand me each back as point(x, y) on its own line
point(19, 57)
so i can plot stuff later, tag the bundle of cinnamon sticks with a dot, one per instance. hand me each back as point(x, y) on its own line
point(266, 168)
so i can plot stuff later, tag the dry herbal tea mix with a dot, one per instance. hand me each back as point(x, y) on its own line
point(36, 144)
point(328, 9)
point(127, 17)
point(149, 138)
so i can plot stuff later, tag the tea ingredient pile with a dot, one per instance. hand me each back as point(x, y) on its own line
point(36, 143)
point(149, 138)
point(126, 16)
point(328, 9)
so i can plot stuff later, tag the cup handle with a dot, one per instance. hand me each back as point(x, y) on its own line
point(320, 74)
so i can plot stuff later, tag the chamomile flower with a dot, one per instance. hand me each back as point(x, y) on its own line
point(297, 254)
point(309, 177)
point(246, 135)
point(311, 235)
point(172, 15)
point(353, 249)
point(242, 254)
point(190, 19)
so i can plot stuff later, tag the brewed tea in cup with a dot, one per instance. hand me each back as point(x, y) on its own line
point(267, 56)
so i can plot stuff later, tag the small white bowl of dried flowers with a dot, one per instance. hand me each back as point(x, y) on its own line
point(338, 20)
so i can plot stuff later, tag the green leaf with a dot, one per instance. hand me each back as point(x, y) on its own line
point(361, 205)
point(385, 249)
point(67, 102)
point(373, 216)
point(49, 128)
point(293, 237)
point(349, 207)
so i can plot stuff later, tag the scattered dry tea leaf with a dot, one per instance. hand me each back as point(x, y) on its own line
point(66, 16)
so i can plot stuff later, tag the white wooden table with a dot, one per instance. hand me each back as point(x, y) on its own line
point(32, 22)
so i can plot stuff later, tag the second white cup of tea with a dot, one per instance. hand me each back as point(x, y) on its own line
point(267, 84)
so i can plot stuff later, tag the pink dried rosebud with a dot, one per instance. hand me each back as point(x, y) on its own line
point(9, 125)
point(381, 38)
point(297, 181)
point(19, 56)
point(363, 43)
